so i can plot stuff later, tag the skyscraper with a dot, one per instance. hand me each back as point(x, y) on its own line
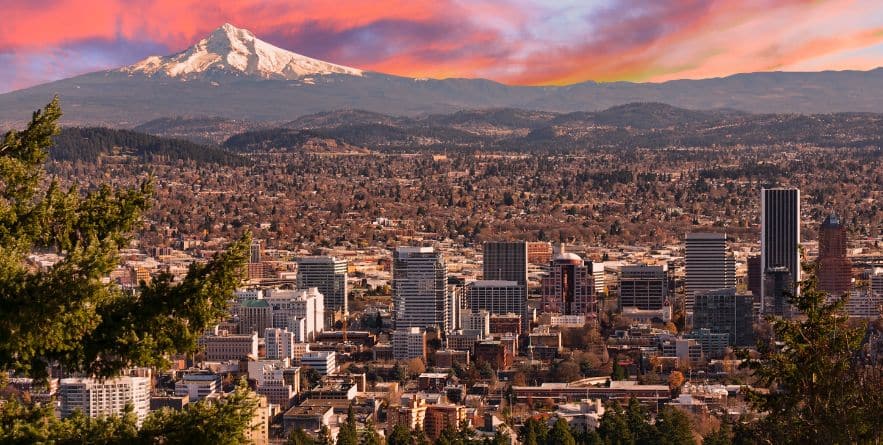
point(569, 289)
point(835, 269)
point(779, 237)
point(419, 287)
point(329, 276)
point(725, 311)
point(643, 287)
point(506, 261)
point(709, 265)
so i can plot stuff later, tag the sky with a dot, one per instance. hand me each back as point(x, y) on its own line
point(523, 42)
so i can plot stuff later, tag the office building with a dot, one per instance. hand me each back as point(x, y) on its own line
point(755, 275)
point(329, 276)
point(254, 316)
point(708, 263)
point(569, 289)
point(505, 261)
point(221, 346)
point(409, 343)
point(643, 287)
point(834, 267)
point(725, 311)
point(419, 286)
point(302, 311)
point(714, 344)
point(779, 241)
point(95, 398)
point(496, 297)
point(279, 343)
point(198, 385)
point(324, 362)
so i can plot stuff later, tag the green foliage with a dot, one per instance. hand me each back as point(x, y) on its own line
point(347, 434)
point(723, 436)
point(614, 428)
point(65, 315)
point(820, 391)
point(560, 434)
point(370, 436)
point(638, 420)
point(399, 436)
point(673, 427)
point(300, 437)
point(533, 432)
point(223, 422)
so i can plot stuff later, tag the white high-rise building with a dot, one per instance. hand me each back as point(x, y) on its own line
point(476, 320)
point(329, 276)
point(306, 304)
point(279, 343)
point(109, 397)
point(709, 265)
point(198, 385)
point(420, 291)
point(779, 241)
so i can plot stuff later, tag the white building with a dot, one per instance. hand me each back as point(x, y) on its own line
point(279, 343)
point(477, 320)
point(290, 305)
point(324, 362)
point(109, 397)
point(198, 385)
point(409, 343)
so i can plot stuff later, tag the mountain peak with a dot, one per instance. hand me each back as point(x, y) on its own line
point(229, 49)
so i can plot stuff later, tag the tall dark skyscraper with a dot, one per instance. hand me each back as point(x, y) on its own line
point(506, 261)
point(779, 237)
point(835, 269)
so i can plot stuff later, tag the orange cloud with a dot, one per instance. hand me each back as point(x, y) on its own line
point(518, 41)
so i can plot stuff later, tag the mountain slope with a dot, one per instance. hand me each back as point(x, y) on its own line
point(233, 75)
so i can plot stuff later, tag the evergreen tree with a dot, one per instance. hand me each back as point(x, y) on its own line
point(533, 432)
point(400, 435)
point(370, 436)
point(347, 434)
point(673, 427)
point(325, 436)
point(560, 434)
point(723, 436)
point(300, 437)
point(66, 315)
point(821, 388)
point(638, 420)
point(614, 428)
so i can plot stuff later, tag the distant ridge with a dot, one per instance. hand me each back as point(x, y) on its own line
point(234, 75)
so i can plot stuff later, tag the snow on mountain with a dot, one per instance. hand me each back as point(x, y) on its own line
point(229, 48)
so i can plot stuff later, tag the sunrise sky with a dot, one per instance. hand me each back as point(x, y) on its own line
point(516, 42)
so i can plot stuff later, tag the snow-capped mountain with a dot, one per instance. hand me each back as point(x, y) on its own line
point(238, 51)
point(233, 74)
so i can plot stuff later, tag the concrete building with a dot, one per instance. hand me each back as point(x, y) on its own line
point(505, 323)
point(419, 286)
point(779, 238)
point(324, 362)
point(687, 350)
point(109, 397)
point(441, 416)
point(476, 320)
point(714, 344)
point(496, 297)
point(569, 289)
point(279, 343)
point(198, 385)
point(725, 311)
point(643, 287)
point(254, 316)
point(708, 264)
point(291, 308)
point(409, 343)
point(329, 276)
point(220, 346)
point(835, 268)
